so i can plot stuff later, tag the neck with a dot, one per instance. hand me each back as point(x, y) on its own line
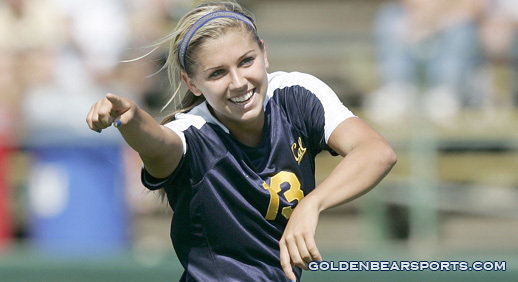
point(251, 139)
point(250, 133)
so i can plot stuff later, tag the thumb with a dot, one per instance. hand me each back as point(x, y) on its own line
point(120, 106)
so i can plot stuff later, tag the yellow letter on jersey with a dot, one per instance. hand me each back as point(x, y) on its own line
point(300, 151)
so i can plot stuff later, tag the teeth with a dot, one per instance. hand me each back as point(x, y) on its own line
point(242, 98)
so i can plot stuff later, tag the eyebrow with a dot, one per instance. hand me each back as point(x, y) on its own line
point(220, 66)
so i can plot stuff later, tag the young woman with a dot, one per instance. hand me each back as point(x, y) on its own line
point(237, 162)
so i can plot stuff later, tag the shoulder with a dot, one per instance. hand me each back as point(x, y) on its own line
point(183, 121)
point(310, 97)
point(280, 80)
point(195, 118)
point(295, 84)
point(194, 125)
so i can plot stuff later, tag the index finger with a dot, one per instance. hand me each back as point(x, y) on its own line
point(119, 106)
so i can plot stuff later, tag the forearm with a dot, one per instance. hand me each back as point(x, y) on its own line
point(143, 133)
point(355, 175)
point(159, 147)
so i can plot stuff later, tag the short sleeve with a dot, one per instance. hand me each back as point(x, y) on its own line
point(311, 101)
point(334, 110)
point(153, 183)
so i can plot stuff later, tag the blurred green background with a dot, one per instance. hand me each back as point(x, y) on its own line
point(451, 196)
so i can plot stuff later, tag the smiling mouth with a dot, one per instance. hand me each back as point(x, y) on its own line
point(243, 98)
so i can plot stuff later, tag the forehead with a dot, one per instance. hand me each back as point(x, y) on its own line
point(230, 45)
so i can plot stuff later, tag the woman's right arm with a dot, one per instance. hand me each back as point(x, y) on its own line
point(158, 146)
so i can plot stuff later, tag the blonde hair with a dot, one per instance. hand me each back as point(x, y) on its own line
point(212, 29)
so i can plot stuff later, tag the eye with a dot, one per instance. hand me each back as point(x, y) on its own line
point(247, 61)
point(216, 73)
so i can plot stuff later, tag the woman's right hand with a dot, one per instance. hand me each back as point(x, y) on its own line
point(159, 147)
point(112, 109)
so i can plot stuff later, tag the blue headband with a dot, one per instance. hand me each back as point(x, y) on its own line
point(182, 49)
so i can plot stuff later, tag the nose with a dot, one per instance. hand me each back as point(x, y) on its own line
point(237, 80)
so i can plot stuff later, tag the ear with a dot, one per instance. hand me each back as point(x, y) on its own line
point(190, 83)
point(265, 55)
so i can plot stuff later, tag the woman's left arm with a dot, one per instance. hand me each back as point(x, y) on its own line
point(368, 157)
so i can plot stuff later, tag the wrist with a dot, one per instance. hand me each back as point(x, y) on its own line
point(314, 201)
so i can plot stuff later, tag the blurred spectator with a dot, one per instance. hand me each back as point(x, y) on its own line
point(26, 28)
point(499, 36)
point(149, 21)
point(78, 69)
point(76, 183)
point(56, 58)
point(79, 181)
point(429, 49)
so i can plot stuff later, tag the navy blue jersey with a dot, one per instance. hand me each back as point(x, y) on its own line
point(231, 202)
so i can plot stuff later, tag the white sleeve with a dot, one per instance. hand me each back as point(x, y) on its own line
point(334, 110)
